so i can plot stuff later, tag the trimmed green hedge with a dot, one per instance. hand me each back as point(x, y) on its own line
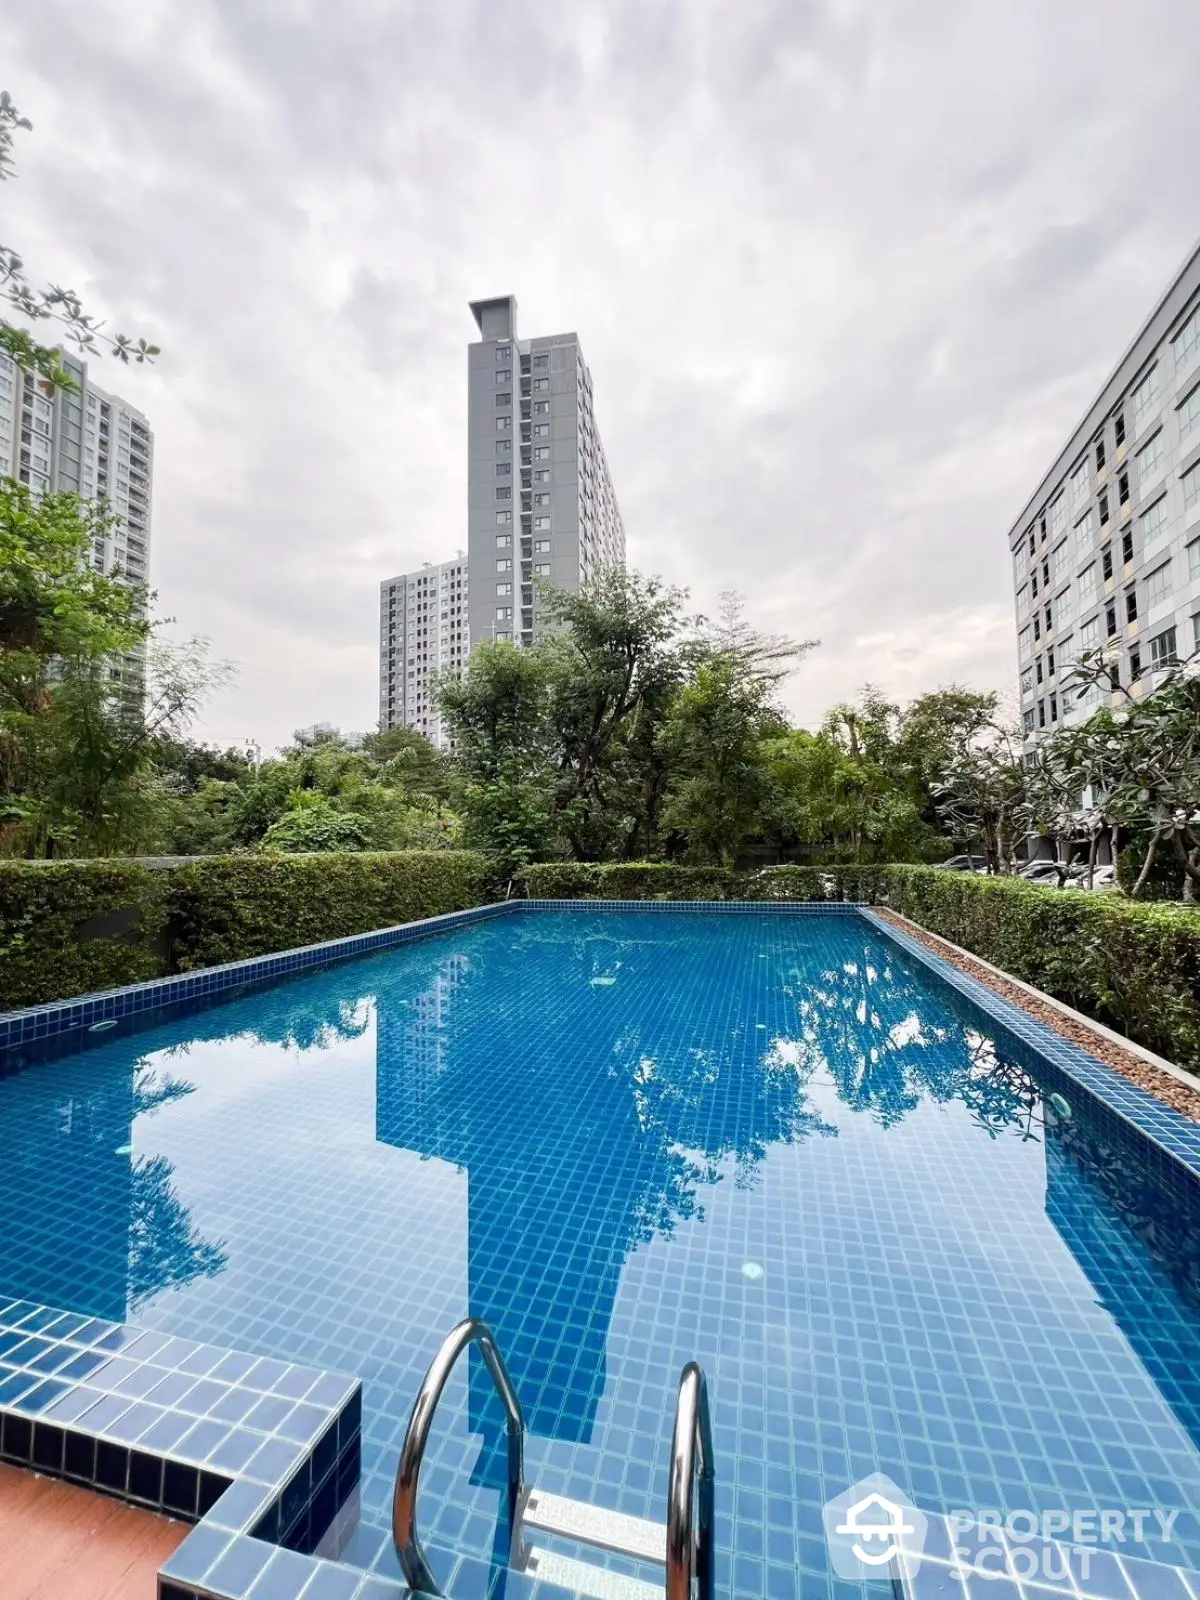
point(75, 926)
point(1135, 967)
point(660, 880)
point(72, 927)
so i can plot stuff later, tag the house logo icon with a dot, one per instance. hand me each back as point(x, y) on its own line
point(873, 1530)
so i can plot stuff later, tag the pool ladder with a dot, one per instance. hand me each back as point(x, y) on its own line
point(684, 1547)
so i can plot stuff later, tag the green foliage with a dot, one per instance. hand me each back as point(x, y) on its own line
point(137, 923)
point(314, 824)
point(664, 880)
point(52, 921)
point(225, 908)
point(1135, 967)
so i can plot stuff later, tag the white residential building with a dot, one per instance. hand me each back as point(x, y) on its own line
point(89, 442)
point(423, 633)
point(1106, 552)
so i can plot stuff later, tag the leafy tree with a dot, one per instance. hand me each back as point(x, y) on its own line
point(315, 823)
point(53, 303)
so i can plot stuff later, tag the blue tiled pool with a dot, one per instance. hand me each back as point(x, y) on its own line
point(627, 1139)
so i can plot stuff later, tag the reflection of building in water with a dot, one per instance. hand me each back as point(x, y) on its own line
point(86, 1224)
point(1137, 1238)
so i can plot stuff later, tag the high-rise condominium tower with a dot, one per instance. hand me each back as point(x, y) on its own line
point(540, 502)
point(1107, 550)
point(422, 633)
point(540, 505)
point(86, 441)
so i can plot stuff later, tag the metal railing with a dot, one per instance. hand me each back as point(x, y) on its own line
point(690, 1543)
point(404, 1501)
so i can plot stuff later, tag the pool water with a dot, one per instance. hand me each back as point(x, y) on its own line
point(772, 1143)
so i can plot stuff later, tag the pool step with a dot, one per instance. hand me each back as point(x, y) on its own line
point(588, 1524)
point(583, 1579)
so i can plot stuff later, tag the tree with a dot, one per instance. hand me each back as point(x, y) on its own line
point(719, 773)
point(314, 823)
point(52, 303)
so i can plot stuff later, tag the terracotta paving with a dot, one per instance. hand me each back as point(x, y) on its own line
point(58, 1542)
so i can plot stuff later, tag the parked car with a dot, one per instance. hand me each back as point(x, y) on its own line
point(1049, 871)
point(965, 864)
point(1102, 878)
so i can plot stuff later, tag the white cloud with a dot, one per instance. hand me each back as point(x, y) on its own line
point(845, 273)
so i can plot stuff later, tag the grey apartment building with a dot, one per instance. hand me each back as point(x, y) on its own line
point(89, 442)
point(1106, 552)
point(540, 501)
point(540, 505)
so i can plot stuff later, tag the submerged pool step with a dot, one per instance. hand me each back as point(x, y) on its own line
point(585, 1580)
point(588, 1524)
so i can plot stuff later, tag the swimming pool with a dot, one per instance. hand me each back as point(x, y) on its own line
point(627, 1139)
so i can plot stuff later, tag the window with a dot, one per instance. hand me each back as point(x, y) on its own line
point(1099, 455)
point(1110, 621)
point(541, 408)
point(1131, 605)
point(1037, 629)
point(1162, 649)
point(541, 362)
point(541, 452)
point(1085, 531)
point(504, 564)
point(504, 613)
point(1120, 428)
point(1196, 631)
point(1041, 713)
point(504, 469)
point(503, 352)
point(1058, 512)
point(1028, 718)
point(541, 569)
point(1053, 708)
point(503, 399)
point(1158, 585)
point(504, 447)
point(541, 430)
point(504, 541)
point(1089, 634)
point(504, 516)
point(541, 547)
point(1026, 681)
point(540, 385)
point(1103, 509)
point(541, 499)
point(1135, 664)
point(1087, 584)
point(1033, 585)
point(1150, 459)
point(1123, 488)
point(1193, 555)
point(1106, 565)
point(503, 424)
point(1022, 599)
point(504, 493)
point(1191, 487)
point(1187, 341)
point(503, 588)
point(1189, 413)
point(1127, 546)
point(1144, 397)
point(542, 475)
point(504, 375)
point(1079, 484)
point(1064, 606)
point(1038, 669)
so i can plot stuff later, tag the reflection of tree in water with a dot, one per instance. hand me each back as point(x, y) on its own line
point(308, 1021)
point(165, 1249)
point(870, 1024)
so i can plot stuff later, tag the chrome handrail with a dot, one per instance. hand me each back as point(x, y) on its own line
point(690, 1548)
point(412, 1452)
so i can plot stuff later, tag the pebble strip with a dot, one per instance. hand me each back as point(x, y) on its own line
point(1180, 1097)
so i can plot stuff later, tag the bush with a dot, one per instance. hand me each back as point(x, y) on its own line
point(661, 880)
point(74, 927)
point(1135, 967)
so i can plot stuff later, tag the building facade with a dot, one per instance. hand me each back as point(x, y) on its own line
point(423, 632)
point(1106, 552)
point(540, 500)
point(90, 443)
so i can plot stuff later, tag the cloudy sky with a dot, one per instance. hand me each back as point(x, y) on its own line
point(846, 273)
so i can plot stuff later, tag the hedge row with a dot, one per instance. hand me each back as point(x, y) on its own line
point(73, 927)
point(1135, 967)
